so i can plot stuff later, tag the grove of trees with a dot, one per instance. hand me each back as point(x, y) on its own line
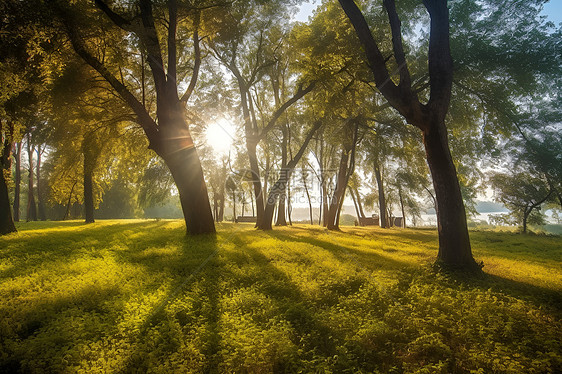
point(392, 106)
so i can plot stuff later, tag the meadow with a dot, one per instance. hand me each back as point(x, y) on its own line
point(139, 296)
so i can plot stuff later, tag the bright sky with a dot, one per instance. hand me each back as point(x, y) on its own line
point(552, 9)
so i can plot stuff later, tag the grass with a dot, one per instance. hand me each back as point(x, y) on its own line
point(133, 296)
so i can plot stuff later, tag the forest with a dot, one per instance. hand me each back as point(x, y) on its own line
point(262, 186)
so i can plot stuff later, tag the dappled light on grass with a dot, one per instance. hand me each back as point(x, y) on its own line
point(123, 297)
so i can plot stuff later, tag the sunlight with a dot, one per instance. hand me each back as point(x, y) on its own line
point(220, 135)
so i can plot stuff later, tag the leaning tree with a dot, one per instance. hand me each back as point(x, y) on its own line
point(142, 27)
point(454, 243)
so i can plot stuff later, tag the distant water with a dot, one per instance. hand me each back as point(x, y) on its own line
point(431, 219)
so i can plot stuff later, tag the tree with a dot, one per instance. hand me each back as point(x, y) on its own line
point(523, 194)
point(454, 243)
point(249, 45)
point(168, 135)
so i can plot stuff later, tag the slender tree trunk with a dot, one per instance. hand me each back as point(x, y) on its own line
point(88, 194)
point(526, 214)
point(304, 176)
point(355, 205)
point(31, 206)
point(280, 187)
point(234, 206)
point(339, 193)
point(454, 242)
point(17, 181)
point(6, 222)
point(40, 202)
point(382, 200)
point(359, 204)
point(69, 203)
point(289, 206)
point(402, 207)
point(281, 220)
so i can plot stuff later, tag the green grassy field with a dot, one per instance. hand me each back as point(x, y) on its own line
point(138, 296)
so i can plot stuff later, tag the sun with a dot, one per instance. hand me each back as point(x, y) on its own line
point(220, 135)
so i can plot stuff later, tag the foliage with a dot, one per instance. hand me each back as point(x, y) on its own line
point(128, 296)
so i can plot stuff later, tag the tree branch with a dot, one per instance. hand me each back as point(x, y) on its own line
point(197, 62)
point(296, 97)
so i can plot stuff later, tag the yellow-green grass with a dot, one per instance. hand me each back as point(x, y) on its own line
point(140, 296)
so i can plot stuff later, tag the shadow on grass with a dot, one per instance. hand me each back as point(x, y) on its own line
point(34, 251)
point(375, 261)
point(197, 265)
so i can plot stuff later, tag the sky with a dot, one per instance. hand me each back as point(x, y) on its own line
point(553, 10)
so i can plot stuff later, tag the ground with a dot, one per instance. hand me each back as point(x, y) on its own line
point(138, 296)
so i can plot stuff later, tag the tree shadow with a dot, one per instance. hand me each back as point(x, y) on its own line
point(37, 250)
point(196, 274)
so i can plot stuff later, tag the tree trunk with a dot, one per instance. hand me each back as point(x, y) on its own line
point(40, 202)
point(402, 207)
point(6, 222)
point(339, 193)
point(355, 205)
point(304, 176)
point(359, 204)
point(281, 210)
point(258, 192)
point(525, 217)
point(382, 200)
point(281, 220)
point(454, 242)
point(88, 193)
point(17, 181)
point(186, 170)
point(31, 206)
point(68, 203)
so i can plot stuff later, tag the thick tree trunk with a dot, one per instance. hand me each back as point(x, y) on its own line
point(40, 202)
point(382, 201)
point(186, 170)
point(281, 210)
point(6, 222)
point(31, 206)
point(454, 242)
point(17, 181)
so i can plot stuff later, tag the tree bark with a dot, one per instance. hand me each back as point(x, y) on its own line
point(382, 201)
point(339, 193)
point(17, 181)
point(31, 206)
point(186, 170)
point(40, 202)
point(402, 207)
point(6, 222)
point(88, 194)
point(454, 242)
